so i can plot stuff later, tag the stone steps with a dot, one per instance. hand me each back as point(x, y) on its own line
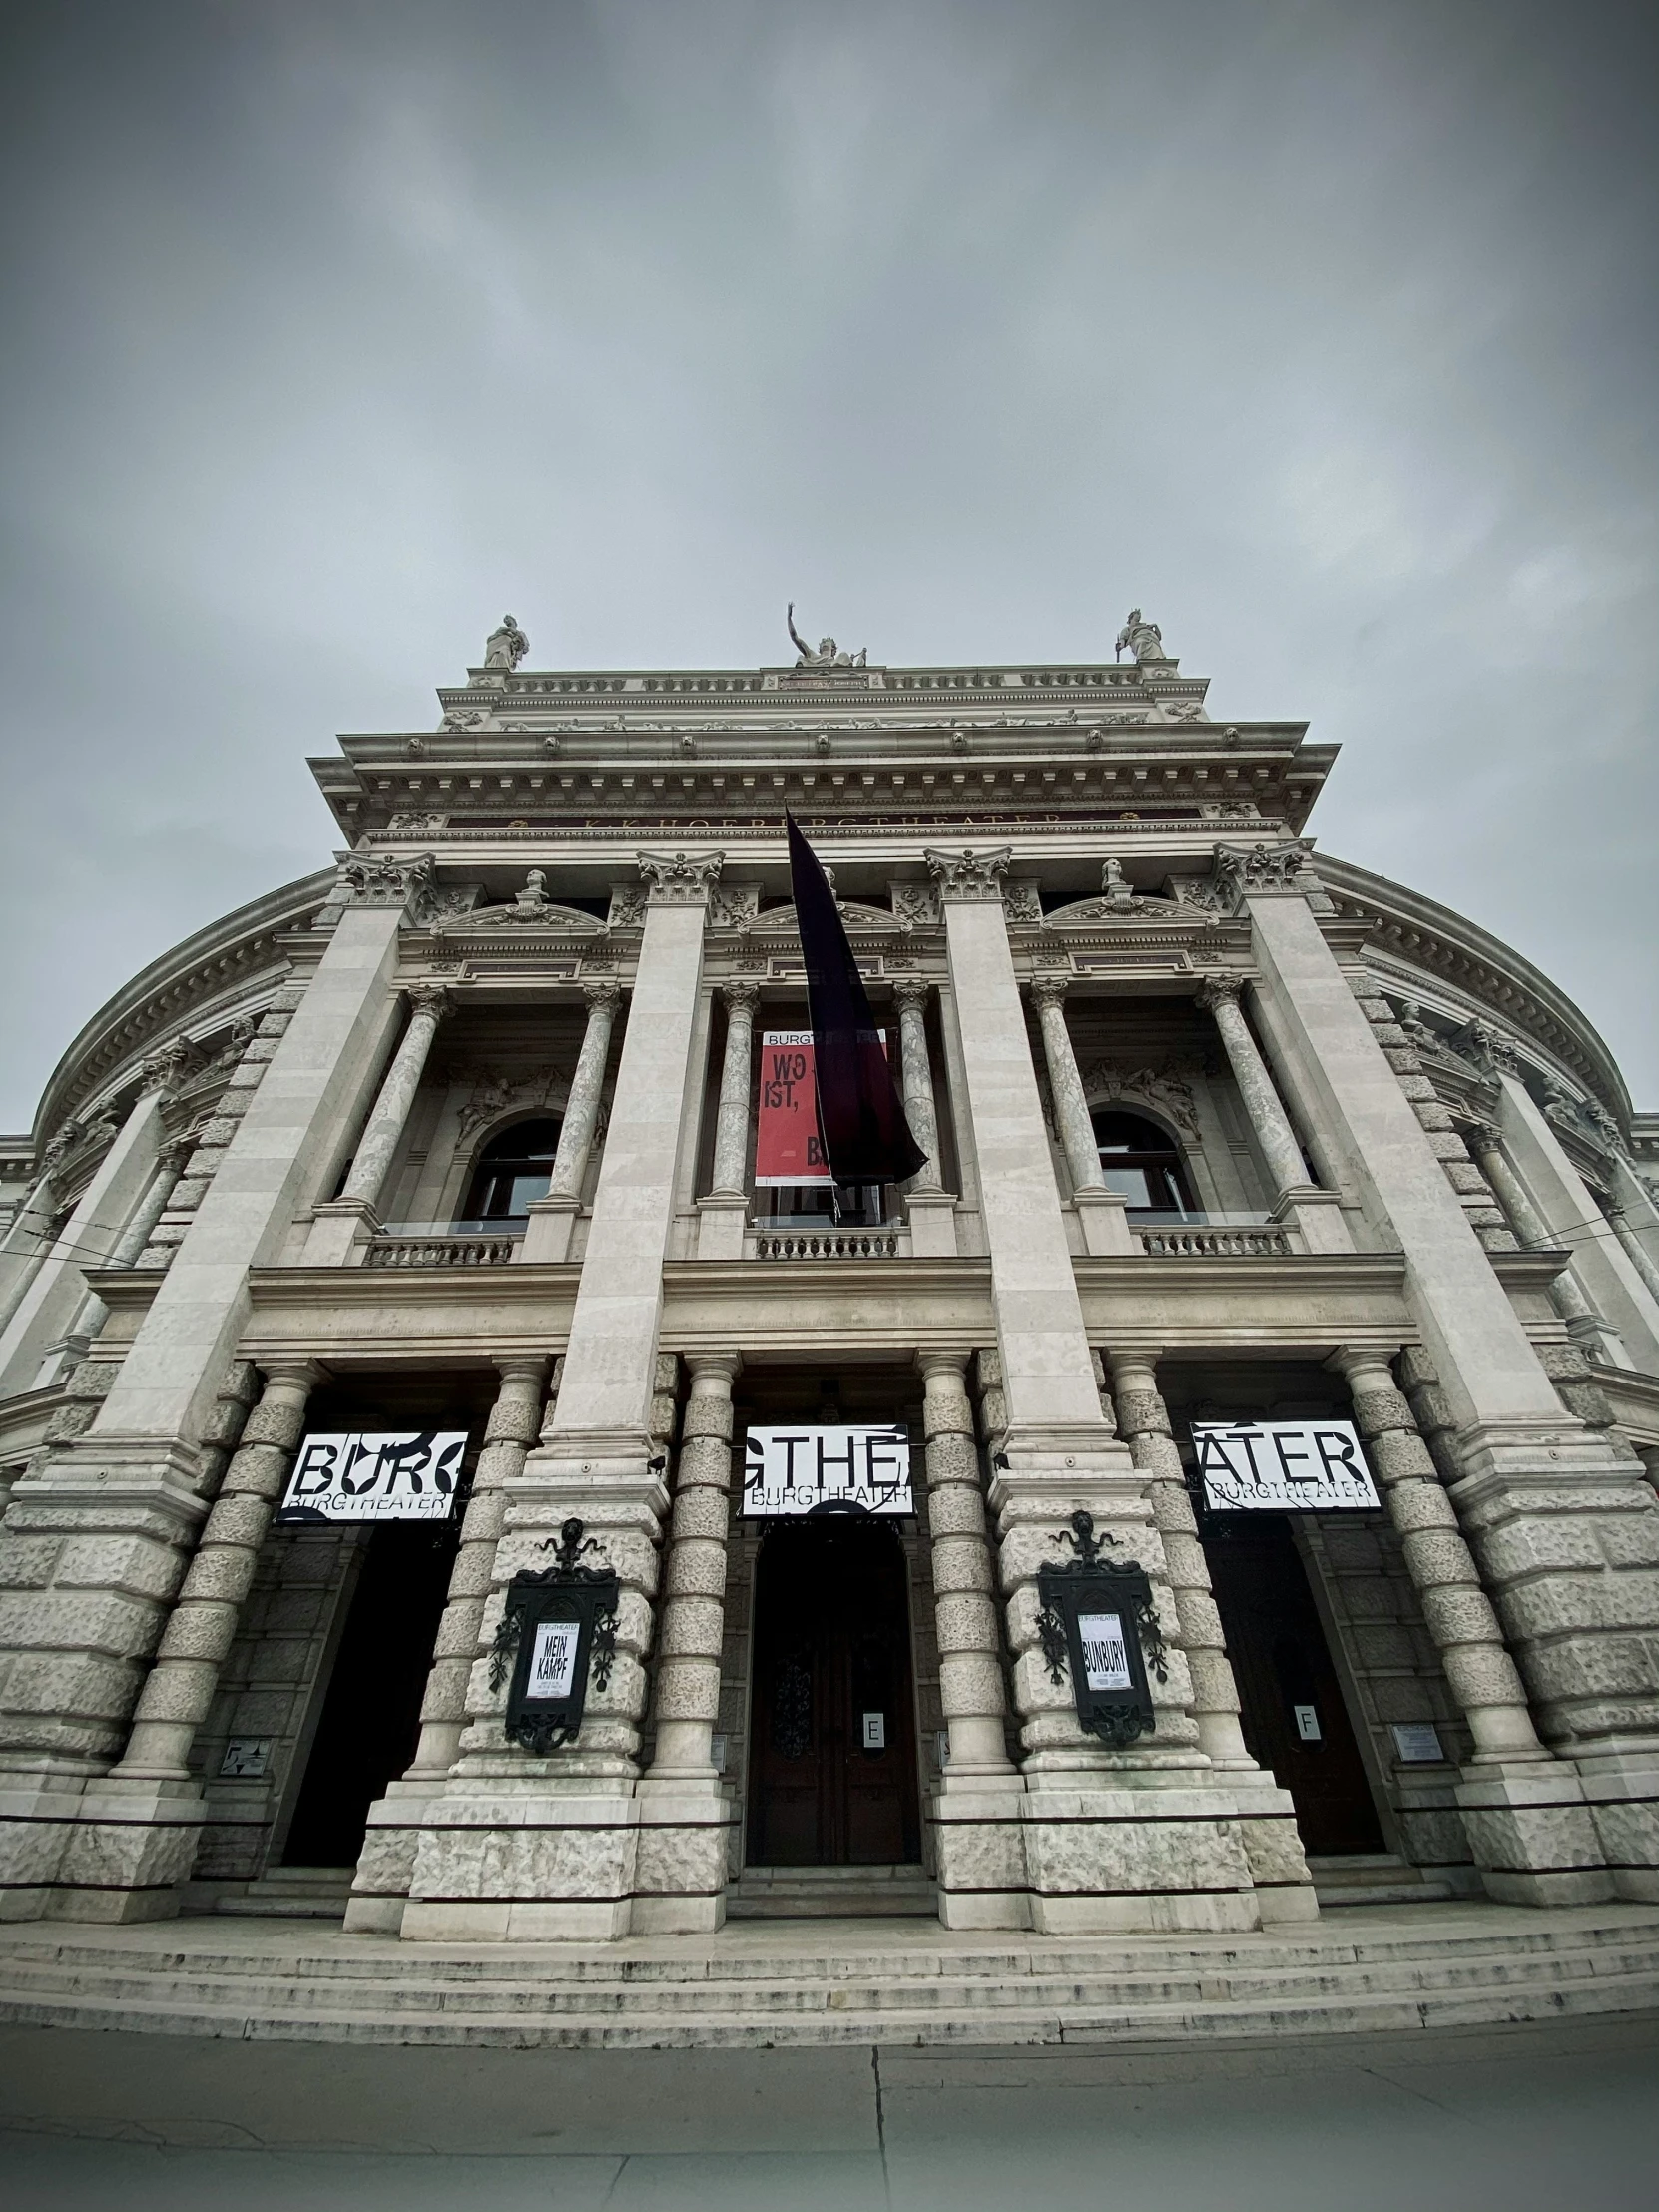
point(1374, 1877)
point(291, 1892)
point(378, 1991)
point(832, 1893)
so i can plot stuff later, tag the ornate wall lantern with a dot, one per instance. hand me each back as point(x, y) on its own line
point(1097, 1619)
point(562, 1624)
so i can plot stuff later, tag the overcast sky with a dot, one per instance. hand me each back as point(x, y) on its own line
point(1324, 329)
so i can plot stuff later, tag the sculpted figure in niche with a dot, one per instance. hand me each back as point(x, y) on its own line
point(507, 646)
point(1142, 638)
point(829, 653)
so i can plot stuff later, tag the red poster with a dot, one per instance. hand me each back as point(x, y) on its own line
point(788, 1146)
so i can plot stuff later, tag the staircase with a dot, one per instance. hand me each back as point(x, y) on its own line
point(1374, 1877)
point(829, 1982)
point(832, 1893)
point(293, 1893)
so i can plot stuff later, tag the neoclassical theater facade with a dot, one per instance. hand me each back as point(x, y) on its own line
point(456, 1139)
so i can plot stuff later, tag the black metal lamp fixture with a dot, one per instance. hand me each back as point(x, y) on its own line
point(1097, 1619)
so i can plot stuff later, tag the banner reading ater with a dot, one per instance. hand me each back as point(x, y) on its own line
point(788, 1146)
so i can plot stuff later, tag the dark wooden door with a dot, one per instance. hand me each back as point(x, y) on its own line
point(1294, 1717)
point(832, 1673)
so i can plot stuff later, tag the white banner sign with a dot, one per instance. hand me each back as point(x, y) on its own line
point(1279, 1467)
point(347, 1477)
point(827, 1470)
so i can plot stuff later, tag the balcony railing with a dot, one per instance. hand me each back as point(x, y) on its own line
point(444, 1243)
point(1211, 1235)
point(826, 1244)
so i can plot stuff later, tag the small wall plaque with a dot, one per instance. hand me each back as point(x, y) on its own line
point(247, 1759)
point(1417, 1743)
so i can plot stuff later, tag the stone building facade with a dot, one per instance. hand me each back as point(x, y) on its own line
point(459, 1135)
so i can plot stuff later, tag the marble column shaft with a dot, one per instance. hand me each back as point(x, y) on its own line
point(179, 1689)
point(511, 1429)
point(917, 1077)
point(1646, 1265)
point(587, 1089)
point(1565, 1292)
point(128, 1248)
point(730, 1170)
point(693, 1628)
point(1071, 1107)
point(1143, 1422)
point(390, 1110)
point(1459, 1615)
point(964, 1574)
point(1261, 1102)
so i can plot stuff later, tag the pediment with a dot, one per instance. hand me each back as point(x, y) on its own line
point(781, 921)
point(1096, 914)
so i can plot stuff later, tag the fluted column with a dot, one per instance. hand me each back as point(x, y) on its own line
point(179, 1691)
point(1456, 1606)
point(128, 1248)
point(694, 1582)
point(428, 1005)
point(511, 1429)
point(1280, 1150)
point(912, 995)
point(1565, 1294)
point(731, 1116)
point(1641, 1258)
point(552, 1219)
point(1103, 1210)
point(1143, 1421)
point(587, 1089)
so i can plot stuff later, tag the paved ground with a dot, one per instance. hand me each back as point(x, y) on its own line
point(1561, 2116)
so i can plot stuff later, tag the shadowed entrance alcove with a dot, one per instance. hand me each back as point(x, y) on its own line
point(832, 1772)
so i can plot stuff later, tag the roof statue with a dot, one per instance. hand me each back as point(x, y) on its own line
point(1144, 639)
point(507, 646)
point(829, 653)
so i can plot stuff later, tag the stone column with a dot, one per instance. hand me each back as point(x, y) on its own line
point(1147, 1837)
point(1271, 1840)
point(1564, 1526)
point(342, 1223)
point(684, 1814)
point(381, 1883)
point(92, 1313)
point(929, 1206)
point(1103, 1212)
point(1313, 1210)
point(520, 1844)
point(553, 1218)
point(1584, 1324)
point(723, 1211)
point(1531, 1833)
point(1640, 1258)
point(47, 1302)
point(135, 1842)
point(975, 1810)
point(98, 1536)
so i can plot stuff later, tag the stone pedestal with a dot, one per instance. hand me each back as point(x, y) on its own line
point(548, 1232)
point(932, 1219)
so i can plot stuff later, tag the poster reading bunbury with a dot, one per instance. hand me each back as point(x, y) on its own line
point(357, 1476)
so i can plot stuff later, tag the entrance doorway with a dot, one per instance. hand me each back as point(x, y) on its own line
point(1293, 1714)
point(370, 1720)
point(833, 1760)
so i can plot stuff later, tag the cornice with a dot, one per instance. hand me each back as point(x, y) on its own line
point(1409, 933)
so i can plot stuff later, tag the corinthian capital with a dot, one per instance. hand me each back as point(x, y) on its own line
point(740, 994)
point(968, 875)
point(428, 998)
point(911, 993)
point(1219, 990)
point(602, 991)
point(1049, 990)
point(679, 878)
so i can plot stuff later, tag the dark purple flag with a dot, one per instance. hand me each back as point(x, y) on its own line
point(863, 1121)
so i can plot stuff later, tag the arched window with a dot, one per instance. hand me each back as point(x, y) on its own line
point(513, 1168)
point(1143, 1163)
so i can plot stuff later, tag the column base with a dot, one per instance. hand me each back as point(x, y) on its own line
point(1317, 1215)
point(385, 1865)
point(1274, 1853)
point(130, 1852)
point(1621, 1789)
point(38, 1812)
point(1161, 1861)
point(1105, 1219)
point(545, 1860)
point(338, 1229)
point(932, 1219)
point(1533, 1837)
point(685, 1830)
point(551, 1226)
point(721, 1218)
point(980, 1849)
